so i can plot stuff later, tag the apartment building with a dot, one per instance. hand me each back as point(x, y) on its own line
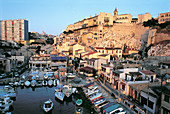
point(14, 30)
point(165, 105)
point(164, 17)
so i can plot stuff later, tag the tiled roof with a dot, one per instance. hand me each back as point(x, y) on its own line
point(104, 55)
point(90, 53)
point(99, 47)
point(78, 50)
point(147, 72)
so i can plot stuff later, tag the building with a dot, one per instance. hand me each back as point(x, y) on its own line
point(165, 102)
point(164, 17)
point(14, 30)
point(144, 17)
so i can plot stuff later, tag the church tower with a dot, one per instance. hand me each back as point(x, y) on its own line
point(115, 12)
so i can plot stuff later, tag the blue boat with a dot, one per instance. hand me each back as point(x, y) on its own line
point(111, 108)
point(99, 102)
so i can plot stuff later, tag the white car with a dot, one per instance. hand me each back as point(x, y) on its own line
point(117, 111)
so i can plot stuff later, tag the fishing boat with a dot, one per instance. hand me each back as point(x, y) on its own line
point(50, 82)
point(107, 105)
point(89, 90)
point(99, 102)
point(67, 90)
point(60, 95)
point(79, 110)
point(27, 83)
point(48, 106)
point(79, 102)
point(95, 95)
point(33, 83)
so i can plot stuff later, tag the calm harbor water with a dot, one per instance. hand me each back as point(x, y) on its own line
point(29, 101)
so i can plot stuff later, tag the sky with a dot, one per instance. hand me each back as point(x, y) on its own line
point(53, 16)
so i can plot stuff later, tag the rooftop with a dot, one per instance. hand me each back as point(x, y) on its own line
point(147, 72)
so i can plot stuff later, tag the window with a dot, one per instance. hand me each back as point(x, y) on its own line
point(166, 98)
point(123, 87)
point(119, 51)
point(95, 33)
point(165, 111)
point(116, 51)
point(162, 15)
point(162, 19)
point(166, 15)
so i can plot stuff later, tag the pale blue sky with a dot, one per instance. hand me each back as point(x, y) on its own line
point(53, 16)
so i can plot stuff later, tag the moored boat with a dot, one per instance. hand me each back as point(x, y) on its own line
point(27, 83)
point(67, 90)
point(95, 95)
point(60, 95)
point(79, 102)
point(33, 83)
point(48, 105)
point(99, 102)
point(79, 110)
point(50, 82)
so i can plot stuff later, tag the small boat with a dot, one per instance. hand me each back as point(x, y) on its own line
point(103, 104)
point(79, 110)
point(27, 83)
point(39, 83)
point(58, 82)
point(48, 106)
point(33, 83)
point(89, 90)
point(107, 105)
point(95, 95)
point(79, 102)
point(11, 84)
point(4, 109)
point(59, 95)
point(89, 84)
point(92, 92)
point(11, 95)
point(74, 90)
point(96, 99)
point(44, 83)
point(54, 82)
point(67, 90)
point(16, 84)
point(21, 83)
point(116, 111)
point(45, 77)
point(111, 108)
point(99, 102)
point(50, 82)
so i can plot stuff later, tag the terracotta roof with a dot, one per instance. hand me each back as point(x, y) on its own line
point(108, 48)
point(90, 53)
point(104, 55)
point(147, 72)
point(73, 44)
point(78, 50)
point(93, 59)
point(99, 47)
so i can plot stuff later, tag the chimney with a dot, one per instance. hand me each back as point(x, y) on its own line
point(95, 14)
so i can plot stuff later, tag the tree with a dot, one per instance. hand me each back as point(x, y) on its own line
point(150, 23)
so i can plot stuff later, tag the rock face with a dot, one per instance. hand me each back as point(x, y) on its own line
point(160, 49)
point(112, 39)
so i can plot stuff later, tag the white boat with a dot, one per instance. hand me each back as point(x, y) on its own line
point(4, 109)
point(67, 90)
point(11, 95)
point(50, 82)
point(11, 84)
point(33, 83)
point(89, 90)
point(60, 95)
point(48, 106)
point(27, 83)
point(44, 83)
point(116, 111)
point(58, 82)
point(55, 82)
point(16, 83)
point(74, 90)
point(92, 92)
point(59, 88)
